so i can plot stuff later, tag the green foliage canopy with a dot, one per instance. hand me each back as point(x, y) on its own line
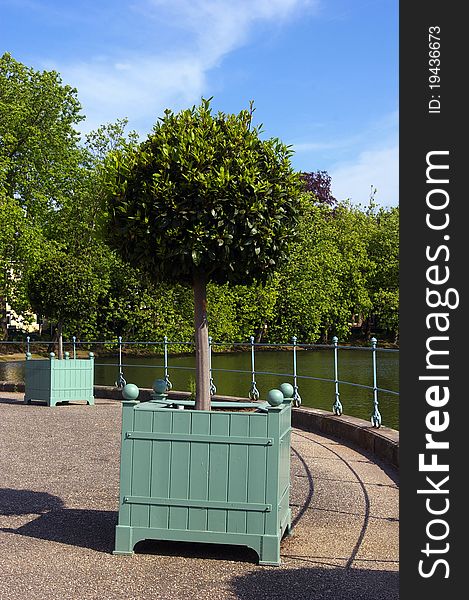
point(383, 278)
point(323, 281)
point(203, 194)
point(64, 287)
point(39, 152)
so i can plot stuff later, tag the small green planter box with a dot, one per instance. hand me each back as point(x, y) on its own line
point(205, 476)
point(52, 381)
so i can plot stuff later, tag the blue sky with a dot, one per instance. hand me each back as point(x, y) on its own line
point(323, 73)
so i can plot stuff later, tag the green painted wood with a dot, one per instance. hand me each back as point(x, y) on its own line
point(238, 472)
point(187, 487)
point(53, 381)
point(194, 437)
point(179, 469)
point(161, 465)
point(257, 464)
point(198, 472)
point(284, 469)
point(141, 533)
point(240, 506)
point(218, 471)
point(125, 483)
point(272, 472)
point(141, 468)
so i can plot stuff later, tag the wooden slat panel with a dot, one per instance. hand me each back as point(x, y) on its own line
point(141, 467)
point(212, 439)
point(126, 462)
point(237, 473)
point(272, 473)
point(257, 456)
point(155, 501)
point(218, 471)
point(198, 484)
point(179, 479)
point(160, 476)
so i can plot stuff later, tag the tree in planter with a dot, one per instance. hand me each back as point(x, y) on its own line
point(203, 199)
point(65, 288)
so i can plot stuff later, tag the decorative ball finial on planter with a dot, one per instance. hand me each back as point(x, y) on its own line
point(130, 391)
point(275, 397)
point(287, 390)
point(160, 386)
point(160, 389)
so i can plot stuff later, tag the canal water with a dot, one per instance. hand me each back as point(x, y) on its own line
point(313, 367)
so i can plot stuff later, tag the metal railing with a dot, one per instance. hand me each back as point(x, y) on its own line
point(251, 346)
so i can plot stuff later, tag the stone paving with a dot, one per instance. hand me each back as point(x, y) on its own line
point(59, 479)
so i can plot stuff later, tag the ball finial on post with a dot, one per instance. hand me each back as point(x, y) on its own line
point(287, 390)
point(275, 397)
point(160, 388)
point(130, 391)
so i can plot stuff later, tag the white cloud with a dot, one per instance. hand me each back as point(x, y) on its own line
point(377, 168)
point(141, 88)
point(219, 26)
point(141, 84)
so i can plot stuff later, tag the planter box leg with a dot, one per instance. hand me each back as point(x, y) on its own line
point(286, 531)
point(124, 543)
point(269, 553)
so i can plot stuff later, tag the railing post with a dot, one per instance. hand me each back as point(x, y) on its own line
point(296, 396)
point(169, 385)
point(213, 389)
point(253, 392)
point(120, 382)
point(74, 340)
point(337, 407)
point(376, 416)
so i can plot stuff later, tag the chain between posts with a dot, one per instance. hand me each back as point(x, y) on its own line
point(213, 389)
point(376, 416)
point(337, 407)
point(120, 382)
point(169, 385)
point(253, 392)
point(296, 396)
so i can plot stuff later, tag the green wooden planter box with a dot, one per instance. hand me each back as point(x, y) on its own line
point(52, 381)
point(205, 476)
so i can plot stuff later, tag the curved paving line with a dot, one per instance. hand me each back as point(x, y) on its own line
point(307, 502)
point(365, 496)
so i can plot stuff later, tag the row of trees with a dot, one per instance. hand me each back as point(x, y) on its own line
point(342, 267)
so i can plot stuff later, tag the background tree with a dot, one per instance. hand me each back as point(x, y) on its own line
point(39, 152)
point(65, 288)
point(383, 276)
point(39, 165)
point(318, 184)
point(323, 282)
point(78, 220)
point(203, 199)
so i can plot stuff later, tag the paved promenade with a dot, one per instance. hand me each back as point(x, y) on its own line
point(59, 480)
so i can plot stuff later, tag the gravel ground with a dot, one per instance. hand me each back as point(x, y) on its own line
point(59, 480)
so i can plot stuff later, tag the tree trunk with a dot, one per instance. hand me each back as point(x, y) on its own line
point(202, 370)
point(60, 345)
point(3, 319)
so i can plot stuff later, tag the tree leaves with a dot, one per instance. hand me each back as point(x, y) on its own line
point(208, 184)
